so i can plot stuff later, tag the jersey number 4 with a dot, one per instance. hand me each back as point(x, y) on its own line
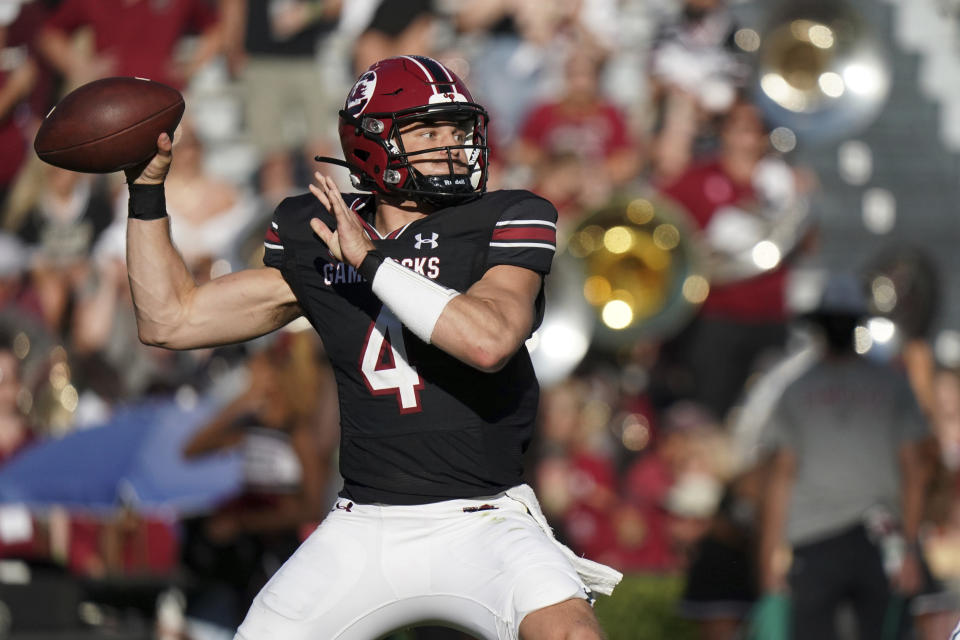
point(384, 363)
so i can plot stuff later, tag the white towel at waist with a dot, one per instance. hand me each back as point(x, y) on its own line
point(599, 578)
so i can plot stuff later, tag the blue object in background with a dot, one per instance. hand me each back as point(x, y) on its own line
point(133, 459)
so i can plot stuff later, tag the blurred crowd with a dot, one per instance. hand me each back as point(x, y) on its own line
point(653, 455)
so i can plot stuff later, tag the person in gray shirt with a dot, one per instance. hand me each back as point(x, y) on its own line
point(846, 482)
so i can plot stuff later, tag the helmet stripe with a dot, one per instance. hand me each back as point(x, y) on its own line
point(440, 73)
point(430, 79)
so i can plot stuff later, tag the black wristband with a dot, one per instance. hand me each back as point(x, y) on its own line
point(147, 202)
point(372, 261)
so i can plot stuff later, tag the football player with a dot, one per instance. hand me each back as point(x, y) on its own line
point(423, 292)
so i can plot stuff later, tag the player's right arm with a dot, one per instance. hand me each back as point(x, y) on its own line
point(171, 310)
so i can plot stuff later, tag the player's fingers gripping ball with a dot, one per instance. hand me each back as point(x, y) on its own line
point(153, 171)
point(108, 125)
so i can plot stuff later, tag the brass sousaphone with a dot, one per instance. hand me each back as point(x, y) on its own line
point(637, 268)
point(821, 71)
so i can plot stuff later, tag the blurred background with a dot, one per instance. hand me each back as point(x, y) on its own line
point(715, 164)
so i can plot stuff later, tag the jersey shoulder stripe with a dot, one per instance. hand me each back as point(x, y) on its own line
point(290, 216)
point(520, 223)
point(291, 223)
point(272, 247)
point(525, 232)
point(273, 234)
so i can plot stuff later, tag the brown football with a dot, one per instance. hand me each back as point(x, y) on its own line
point(108, 125)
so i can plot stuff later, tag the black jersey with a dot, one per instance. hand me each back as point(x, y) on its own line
point(418, 425)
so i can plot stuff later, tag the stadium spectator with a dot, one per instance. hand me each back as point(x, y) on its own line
point(130, 38)
point(208, 213)
point(846, 483)
point(286, 431)
point(694, 74)
point(734, 197)
point(721, 584)
point(515, 51)
point(18, 75)
point(397, 27)
point(67, 217)
point(280, 53)
point(580, 129)
point(69, 212)
point(15, 431)
point(20, 304)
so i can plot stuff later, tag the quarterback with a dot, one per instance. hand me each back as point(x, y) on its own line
point(423, 290)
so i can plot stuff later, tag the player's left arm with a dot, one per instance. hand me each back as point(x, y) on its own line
point(486, 325)
point(483, 326)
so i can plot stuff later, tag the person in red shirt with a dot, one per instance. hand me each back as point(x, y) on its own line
point(131, 38)
point(743, 317)
point(15, 87)
point(582, 131)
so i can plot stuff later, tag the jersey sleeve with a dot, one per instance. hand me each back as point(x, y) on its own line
point(272, 244)
point(525, 236)
point(290, 222)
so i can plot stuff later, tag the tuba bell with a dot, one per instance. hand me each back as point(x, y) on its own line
point(820, 70)
point(645, 270)
point(631, 270)
point(638, 268)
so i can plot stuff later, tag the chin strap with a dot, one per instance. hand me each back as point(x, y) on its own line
point(337, 161)
point(357, 177)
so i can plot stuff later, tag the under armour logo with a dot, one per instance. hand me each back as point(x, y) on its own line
point(432, 240)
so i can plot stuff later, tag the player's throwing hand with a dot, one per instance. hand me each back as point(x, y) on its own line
point(155, 170)
point(348, 243)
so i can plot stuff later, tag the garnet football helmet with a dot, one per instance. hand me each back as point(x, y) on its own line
point(402, 90)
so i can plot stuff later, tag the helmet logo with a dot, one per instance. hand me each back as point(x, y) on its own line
point(432, 240)
point(449, 96)
point(361, 93)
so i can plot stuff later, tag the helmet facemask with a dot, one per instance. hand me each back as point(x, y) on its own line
point(463, 180)
point(400, 176)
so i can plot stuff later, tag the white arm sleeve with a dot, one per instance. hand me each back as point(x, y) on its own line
point(416, 300)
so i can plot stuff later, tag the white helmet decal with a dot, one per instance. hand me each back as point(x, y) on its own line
point(361, 93)
point(438, 98)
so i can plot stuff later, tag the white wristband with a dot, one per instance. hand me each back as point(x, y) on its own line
point(416, 300)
